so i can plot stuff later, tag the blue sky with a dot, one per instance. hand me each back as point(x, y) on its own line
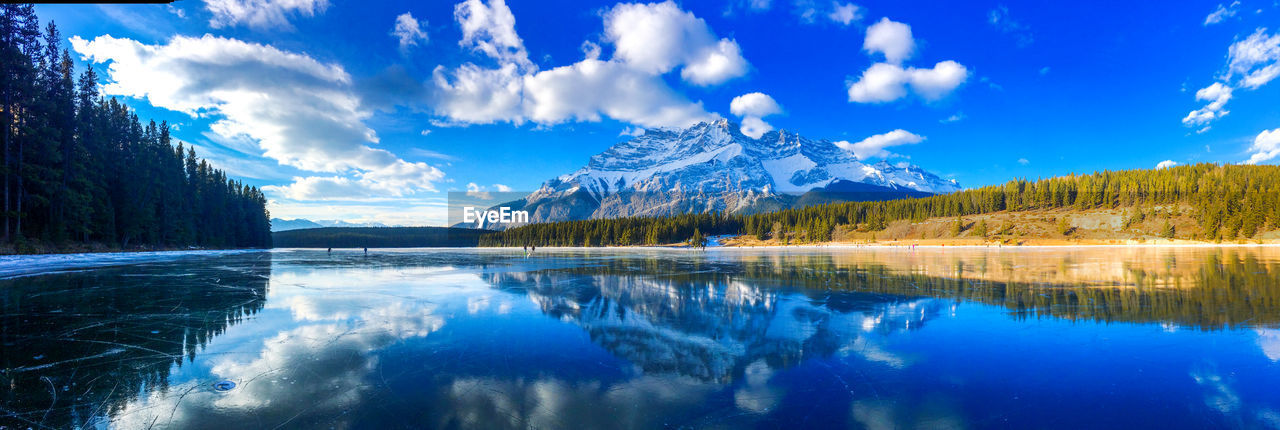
point(373, 111)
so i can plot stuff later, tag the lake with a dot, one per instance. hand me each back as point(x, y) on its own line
point(724, 338)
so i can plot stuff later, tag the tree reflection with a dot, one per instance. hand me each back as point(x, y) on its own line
point(78, 346)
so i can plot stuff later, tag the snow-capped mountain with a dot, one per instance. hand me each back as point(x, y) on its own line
point(714, 167)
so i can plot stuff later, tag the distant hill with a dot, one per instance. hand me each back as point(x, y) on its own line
point(279, 224)
point(376, 237)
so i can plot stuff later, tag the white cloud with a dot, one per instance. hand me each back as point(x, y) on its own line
point(753, 107)
point(1166, 164)
point(590, 50)
point(891, 38)
point(882, 82)
point(754, 127)
point(885, 82)
point(938, 82)
point(261, 14)
point(478, 95)
point(587, 89)
point(629, 87)
point(491, 29)
point(1256, 59)
point(957, 117)
point(888, 81)
point(874, 146)
point(1221, 13)
point(502, 188)
point(336, 188)
point(425, 132)
point(408, 31)
point(1217, 95)
point(845, 14)
point(299, 111)
point(1024, 161)
point(659, 37)
point(1251, 63)
point(754, 104)
point(1265, 147)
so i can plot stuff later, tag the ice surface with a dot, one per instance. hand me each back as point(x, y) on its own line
point(646, 338)
point(18, 265)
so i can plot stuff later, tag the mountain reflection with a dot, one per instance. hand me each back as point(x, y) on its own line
point(710, 326)
point(610, 339)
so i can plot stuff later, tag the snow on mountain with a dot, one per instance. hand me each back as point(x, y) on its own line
point(713, 166)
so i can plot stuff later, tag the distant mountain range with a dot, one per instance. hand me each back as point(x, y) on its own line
point(712, 166)
point(278, 224)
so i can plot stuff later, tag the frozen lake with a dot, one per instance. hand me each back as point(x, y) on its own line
point(841, 338)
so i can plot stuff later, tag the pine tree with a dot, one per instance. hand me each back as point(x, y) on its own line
point(79, 167)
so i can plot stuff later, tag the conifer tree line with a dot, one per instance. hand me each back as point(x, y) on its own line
point(1226, 201)
point(81, 168)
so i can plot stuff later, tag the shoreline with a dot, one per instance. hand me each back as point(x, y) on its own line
point(123, 251)
point(834, 245)
point(842, 246)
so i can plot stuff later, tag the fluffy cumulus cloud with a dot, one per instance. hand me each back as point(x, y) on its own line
point(590, 89)
point(299, 111)
point(261, 14)
point(1217, 96)
point(885, 82)
point(1251, 63)
point(648, 40)
point(1255, 60)
point(659, 37)
point(891, 38)
point(1265, 147)
point(889, 80)
point(752, 108)
point(491, 29)
point(408, 31)
point(1221, 13)
point(874, 146)
point(1166, 164)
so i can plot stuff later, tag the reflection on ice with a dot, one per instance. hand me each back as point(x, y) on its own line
point(640, 339)
point(1269, 341)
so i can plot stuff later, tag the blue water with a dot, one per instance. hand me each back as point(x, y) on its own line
point(1056, 338)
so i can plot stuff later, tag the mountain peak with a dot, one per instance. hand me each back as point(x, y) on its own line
point(713, 166)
